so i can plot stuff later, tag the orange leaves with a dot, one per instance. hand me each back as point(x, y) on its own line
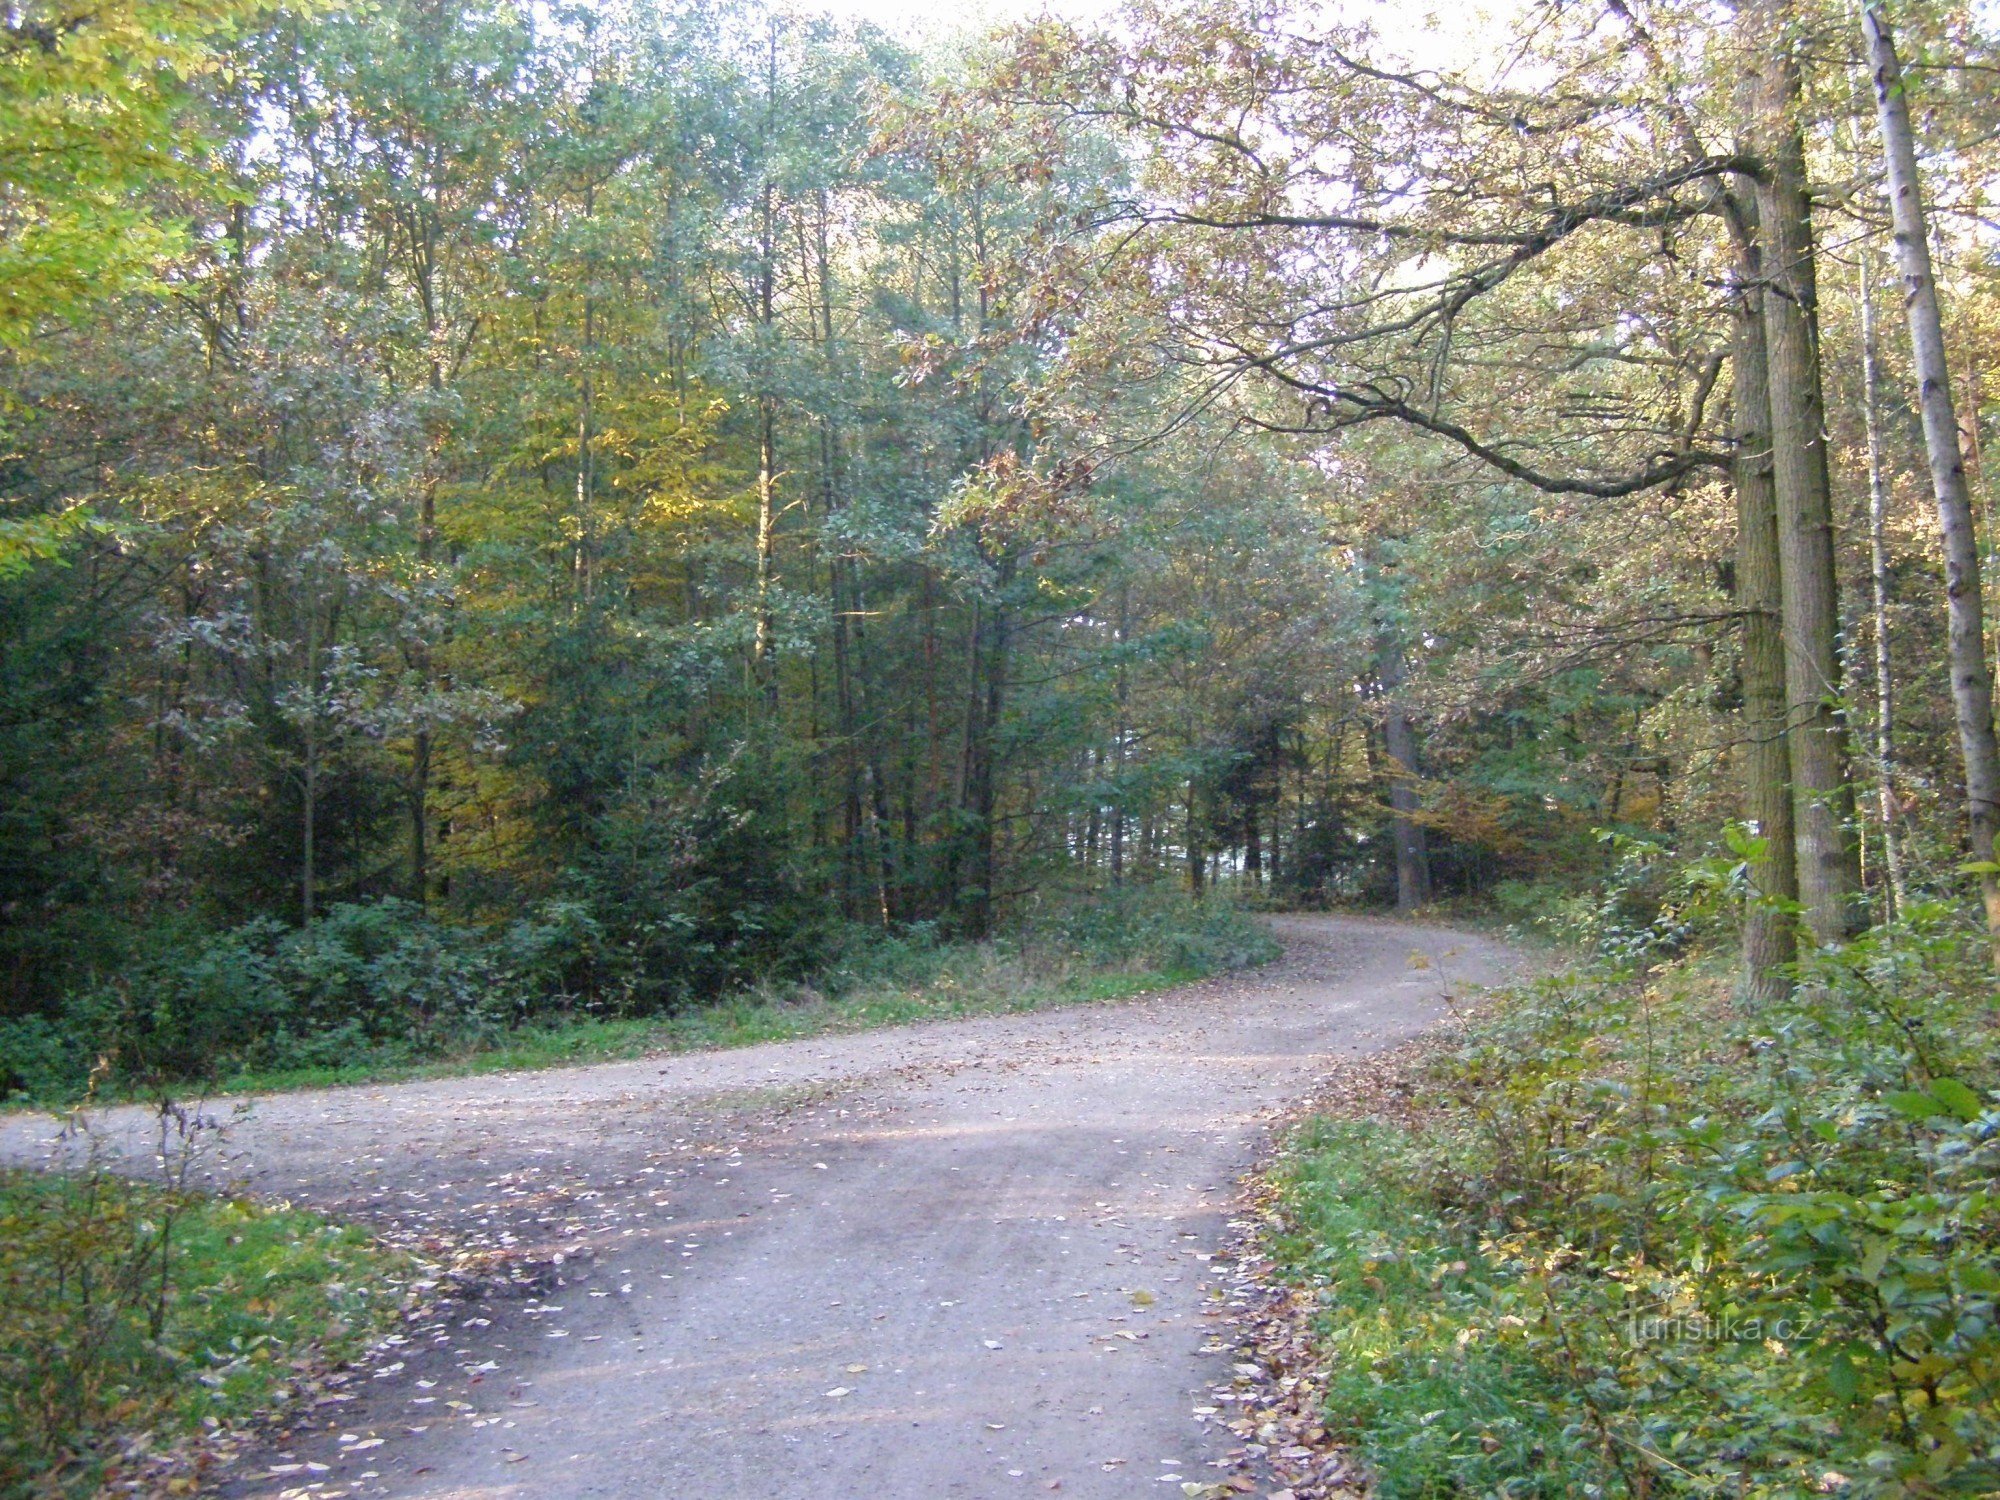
point(1009, 498)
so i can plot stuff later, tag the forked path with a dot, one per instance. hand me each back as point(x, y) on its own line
point(961, 1259)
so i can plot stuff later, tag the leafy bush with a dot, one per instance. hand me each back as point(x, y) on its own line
point(135, 1307)
point(703, 889)
point(1428, 1369)
point(383, 984)
point(379, 979)
point(1745, 1252)
point(1148, 927)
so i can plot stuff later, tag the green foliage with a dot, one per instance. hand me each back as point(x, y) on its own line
point(1150, 928)
point(702, 890)
point(1735, 1253)
point(417, 550)
point(380, 987)
point(1435, 1412)
point(94, 111)
point(136, 1308)
point(376, 980)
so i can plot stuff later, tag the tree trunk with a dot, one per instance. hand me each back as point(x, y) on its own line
point(585, 562)
point(1822, 803)
point(985, 800)
point(764, 645)
point(1093, 821)
point(1413, 859)
point(972, 862)
point(1768, 935)
point(1197, 860)
point(1971, 680)
point(1878, 577)
point(309, 773)
point(1399, 740)
point(420, 648)
point(1118, 743)
point(957, 843)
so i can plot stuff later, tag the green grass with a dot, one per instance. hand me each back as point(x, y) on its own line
point(992, 987)
point(1645, 1240)
point(95, 1345)
point(1427, 1373)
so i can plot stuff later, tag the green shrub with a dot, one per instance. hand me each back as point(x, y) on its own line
point(133, 1308)
point(1149, 927)
point(1429, 1372)
point(383, 985)
point(41, 1058)
point(1751, 1253)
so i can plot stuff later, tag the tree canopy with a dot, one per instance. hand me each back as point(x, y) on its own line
point(714, 482)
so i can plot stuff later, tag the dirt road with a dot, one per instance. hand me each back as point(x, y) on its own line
point(964, 1259)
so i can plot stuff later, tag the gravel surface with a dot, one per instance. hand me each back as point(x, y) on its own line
point(969, 1258)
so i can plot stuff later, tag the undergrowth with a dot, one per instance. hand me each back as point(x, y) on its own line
point(135, 1313)
point(383, 993)
point(1646, 1241)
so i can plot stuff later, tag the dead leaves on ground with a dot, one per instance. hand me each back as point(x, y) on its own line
point(1274, 1404)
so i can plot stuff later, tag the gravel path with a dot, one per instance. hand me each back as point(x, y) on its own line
point(969, 1258)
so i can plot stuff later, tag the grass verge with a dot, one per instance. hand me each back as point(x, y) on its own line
point(1427, 1376)
point(738, 1021)
point(136, 1315)
point(1634, 1239)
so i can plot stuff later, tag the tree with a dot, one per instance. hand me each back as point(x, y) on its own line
point(94, 113)
point(1971, 677)
point(1534, 299)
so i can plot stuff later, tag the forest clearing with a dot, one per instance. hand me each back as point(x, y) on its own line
point(1225, 744)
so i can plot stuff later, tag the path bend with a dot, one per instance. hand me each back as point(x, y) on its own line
point(965, 1258)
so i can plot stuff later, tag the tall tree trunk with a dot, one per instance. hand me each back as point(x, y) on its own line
point(420, 648)
point(1399, 740)
point(1822, 802)
point(584, 565)
point(1878, 578)
point(842, 588)
point(970, 866)
point(1413, 858)
point(985, 798)
point(956, 846)
point(1768, 934)
point(1197, 858)
point(1971, 680)
point(764, 644)
point(309, 771)
point(1093, 823)
point(1118, 742)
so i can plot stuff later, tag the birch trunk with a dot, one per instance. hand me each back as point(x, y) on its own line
point(1971, 679)
point(1878, 576)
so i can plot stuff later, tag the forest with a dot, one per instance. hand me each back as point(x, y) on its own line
point(522, 517)
point(627, 500)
